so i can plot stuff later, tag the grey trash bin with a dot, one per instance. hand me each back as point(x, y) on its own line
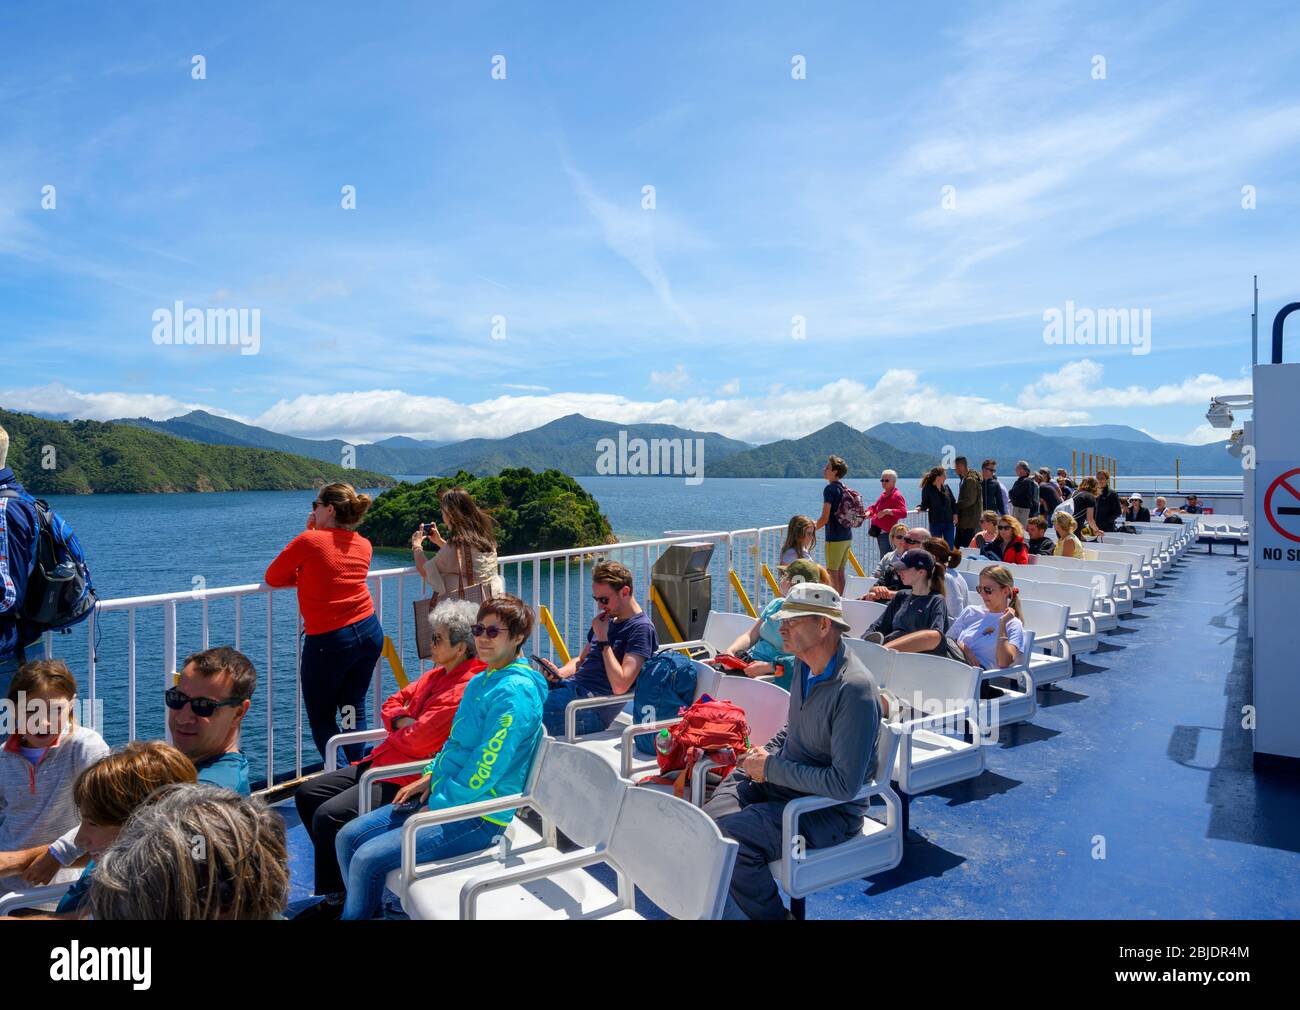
point(682, 577)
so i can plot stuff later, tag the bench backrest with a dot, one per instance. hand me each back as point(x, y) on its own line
point(860, 614)
point(857, 585)
point(673, 852)
point(931, 684)
point(578, 790)
point(722, 628)
point(1044, 618)
point(1077, 598)
point(1122, 570)
point(766, 705)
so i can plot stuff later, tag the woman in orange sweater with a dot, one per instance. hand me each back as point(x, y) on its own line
point(328, 563)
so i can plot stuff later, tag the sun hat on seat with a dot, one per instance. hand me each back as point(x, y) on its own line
point(812, 599)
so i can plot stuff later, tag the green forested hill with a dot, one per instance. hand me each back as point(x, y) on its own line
point(84, 457)
point(533, 511)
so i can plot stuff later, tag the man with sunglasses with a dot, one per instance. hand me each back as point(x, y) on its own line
point(621, 639)
point(996, 498)
point(205, 711)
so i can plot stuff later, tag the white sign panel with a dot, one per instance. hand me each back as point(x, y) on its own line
point(1276, 530)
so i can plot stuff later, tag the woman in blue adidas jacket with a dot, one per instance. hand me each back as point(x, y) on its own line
point(494, 738)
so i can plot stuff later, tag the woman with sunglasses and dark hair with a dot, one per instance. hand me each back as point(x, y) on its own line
point(328, 563)
point(418, 719)
point(494, 738)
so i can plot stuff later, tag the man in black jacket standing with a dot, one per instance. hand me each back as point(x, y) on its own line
point(828, 748)
point(1049, 496)
point(1023, 494)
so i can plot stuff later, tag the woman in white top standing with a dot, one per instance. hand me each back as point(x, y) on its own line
point(468, 555)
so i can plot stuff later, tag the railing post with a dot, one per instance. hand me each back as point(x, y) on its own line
point(270, 695)
point(377, 674)
point(169, 654)
point(130, 674)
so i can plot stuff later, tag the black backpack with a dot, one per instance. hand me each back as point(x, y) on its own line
point(60, 592)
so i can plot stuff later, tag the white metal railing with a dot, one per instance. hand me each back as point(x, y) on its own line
point(558, 580)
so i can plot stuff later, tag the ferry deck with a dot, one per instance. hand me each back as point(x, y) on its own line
point(1129, 795)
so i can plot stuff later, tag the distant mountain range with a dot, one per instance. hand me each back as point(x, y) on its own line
point(570, 444)
point(567, 443)
point(805, 457)
point(1138, 455)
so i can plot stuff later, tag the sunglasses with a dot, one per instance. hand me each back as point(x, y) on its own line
point(988, 590)
point(1001, 527)
point(602, 600)
point(885, 480)
point(909, 540)
point(317, 504)
point(177, 699)
point(487, 631)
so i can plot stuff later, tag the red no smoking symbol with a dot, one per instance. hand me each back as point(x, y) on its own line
point(1288, 504)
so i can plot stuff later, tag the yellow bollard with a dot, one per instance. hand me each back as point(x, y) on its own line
point(854, 562)
point(739, 587)
point(557, 643)
point(395, 661)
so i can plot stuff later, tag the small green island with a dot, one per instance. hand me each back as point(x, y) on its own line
point(97, 457)
point(546, 511)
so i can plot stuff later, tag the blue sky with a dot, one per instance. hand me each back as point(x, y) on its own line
point(522, 198)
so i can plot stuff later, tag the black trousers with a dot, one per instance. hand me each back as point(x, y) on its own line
point(964, 537)
point(325, 804)
point(746, 811)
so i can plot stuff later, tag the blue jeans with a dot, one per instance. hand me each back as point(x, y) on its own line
point(945, 530)
point(590, 720)
point(336, 671)
point(370, 846)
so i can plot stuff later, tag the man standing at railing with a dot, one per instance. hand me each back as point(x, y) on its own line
point(18, 526)
point(828, 748)
point(622, 637)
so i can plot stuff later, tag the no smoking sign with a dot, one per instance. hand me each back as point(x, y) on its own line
point(1278, 525)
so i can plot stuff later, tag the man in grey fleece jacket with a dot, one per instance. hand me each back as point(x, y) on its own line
point(828, 748)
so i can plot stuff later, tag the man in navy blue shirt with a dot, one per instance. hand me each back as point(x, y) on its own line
point(621, 639)
point(18, 529)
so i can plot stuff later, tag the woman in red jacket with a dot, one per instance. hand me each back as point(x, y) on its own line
point(1011, 541)
point(418, 719)
point(328, 563)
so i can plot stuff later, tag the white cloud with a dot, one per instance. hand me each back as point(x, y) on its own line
point(731, 388)
point(676, 379)
point(1075, 385)
point(630, 233)
point(57, 400)
point(1202, 434)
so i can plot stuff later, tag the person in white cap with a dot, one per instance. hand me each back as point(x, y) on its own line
point(1135, 513)
point(827, 748)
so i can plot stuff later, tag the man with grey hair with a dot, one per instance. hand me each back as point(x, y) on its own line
point(18, 529)
point(194, 851)
point(1023, 494)
point(418, 720)
point(828, 748)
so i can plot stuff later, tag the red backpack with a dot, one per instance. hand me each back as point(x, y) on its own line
point(717, 728)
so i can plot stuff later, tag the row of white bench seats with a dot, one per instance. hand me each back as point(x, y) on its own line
point(935, 739)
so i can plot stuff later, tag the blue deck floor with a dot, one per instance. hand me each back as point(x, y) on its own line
point(1142, 752)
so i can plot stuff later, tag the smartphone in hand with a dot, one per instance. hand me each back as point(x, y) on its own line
point(548, 669)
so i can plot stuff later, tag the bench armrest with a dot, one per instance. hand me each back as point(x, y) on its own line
point(596, 701)
point(375, 774)
point(497, 879)
point(343, 739)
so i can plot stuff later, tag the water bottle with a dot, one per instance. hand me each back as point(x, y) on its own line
point(663, 741)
